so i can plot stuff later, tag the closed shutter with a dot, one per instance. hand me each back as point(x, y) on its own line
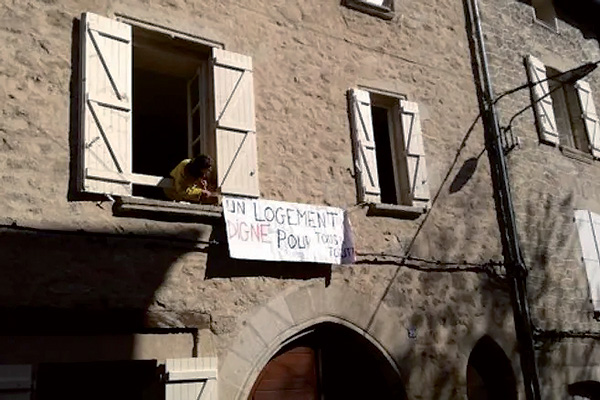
point(191, 379)
point(363, 139)
point(15, 382)
point(588, 226)
point(590, 118)
point(544, 111)
point(415, 153)
point(233, 89)
point(106, 95)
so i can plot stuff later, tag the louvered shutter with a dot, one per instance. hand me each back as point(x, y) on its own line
point(415, 152)
point(15, 382)
point(233, 88)
point(191, 379)
point(588, 226)
point(363, 139)
point(544, 111)
point(590, 118)
point(106, 70)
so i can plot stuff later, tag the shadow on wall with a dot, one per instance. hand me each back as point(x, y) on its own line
point(556, 279)
point(76, 283)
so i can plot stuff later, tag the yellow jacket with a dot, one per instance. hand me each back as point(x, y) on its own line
point(185, 187)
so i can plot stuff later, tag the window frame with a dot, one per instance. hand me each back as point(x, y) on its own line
point(407, 205)
point(539, 8)
point(230, 77)
point(584, 122)
point(384, 11)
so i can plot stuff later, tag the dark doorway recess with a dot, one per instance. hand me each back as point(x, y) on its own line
point(328, 362)
point(489, 373)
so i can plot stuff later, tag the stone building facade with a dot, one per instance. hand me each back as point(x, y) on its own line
point(553, 176)
point(114, 288)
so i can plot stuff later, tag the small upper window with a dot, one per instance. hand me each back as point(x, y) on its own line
point(388, 150)
point(565, 112)
point(380, 8)
point(150, 100)
point(545, 12)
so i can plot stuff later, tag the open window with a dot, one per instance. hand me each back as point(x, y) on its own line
point(565, 112)
point(545, 13)
point(388, 150)
point(150, 100)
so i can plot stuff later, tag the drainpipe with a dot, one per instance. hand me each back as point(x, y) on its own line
point(515, 266)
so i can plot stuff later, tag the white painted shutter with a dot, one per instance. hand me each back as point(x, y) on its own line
point(415, 152)
point(15, 382)
point(544, 111)
point(590, 118)
point(363, 139)
point(588, 226)
point(233, 88)
point(191, 379)
point(195, 114)
point(106, 70)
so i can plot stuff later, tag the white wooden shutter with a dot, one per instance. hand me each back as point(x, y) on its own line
point(544, 111)
point(106, 69)
point(191, 379)
point(195, 114)
point(588, 226)
point(363, 139)
point(15, 382)
point(590, 118)
point(233, 89)
point(415, 152)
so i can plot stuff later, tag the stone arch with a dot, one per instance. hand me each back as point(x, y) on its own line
point(274, 325)
point(490, 375)
point(323, 359)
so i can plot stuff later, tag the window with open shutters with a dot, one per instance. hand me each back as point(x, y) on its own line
point(150, 99)
point(564, 111)
point(588, 227)
point(388, 150)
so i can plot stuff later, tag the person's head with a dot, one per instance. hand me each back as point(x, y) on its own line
point(200, 166)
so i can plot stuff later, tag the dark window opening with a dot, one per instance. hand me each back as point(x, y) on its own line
point(567, 112)
point(545, 12)
point(385, 158)
point(585, 390)
point(168, 75)
point(126, 380)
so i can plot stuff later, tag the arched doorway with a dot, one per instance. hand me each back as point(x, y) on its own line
point(328, 361)
point(489, 373)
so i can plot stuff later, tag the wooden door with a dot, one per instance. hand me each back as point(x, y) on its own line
point(291, 375)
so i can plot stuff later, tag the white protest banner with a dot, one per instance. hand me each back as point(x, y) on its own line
point(280, 231)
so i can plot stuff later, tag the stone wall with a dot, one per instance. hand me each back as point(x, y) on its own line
point(74, 255)
point(548, 183)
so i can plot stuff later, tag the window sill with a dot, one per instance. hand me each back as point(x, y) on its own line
point(576, 154)
point(395, 211)
point(166, 210)
point(378, 11)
